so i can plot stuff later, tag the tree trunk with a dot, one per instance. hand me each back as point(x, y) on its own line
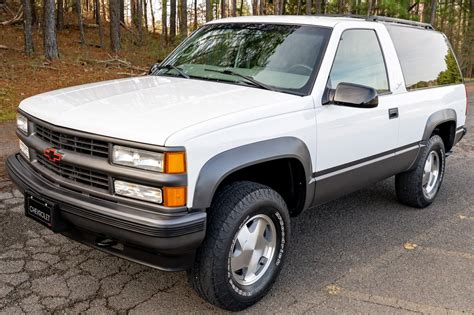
point(172, 19)
point(195, 15)
point(104, 11)
point(318, 6)
point(208, 10)
point(223, 9)
point(34, 14)
point(122, 11)
point(153, 26)
point(433, 12)
point(309, 4)
point(27, 20)
point(133, 12)
point(183, 18)
point(114, 13)
point(233, 11)
point(140, 21)
point(49, 31)
point(60, 15)
point(241, 9)
point(254, 7)
point(340, 7)
point(99, 22)
point(145, 14)
point(96, 11)
point(298, 7)
point(164, 19)
point(369, 7)
point(80, 22)
point(262, 10)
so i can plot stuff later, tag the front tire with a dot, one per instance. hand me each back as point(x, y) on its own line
point(245, 245)
point(419, 187)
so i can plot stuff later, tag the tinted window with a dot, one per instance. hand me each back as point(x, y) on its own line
point(425, 57)
point(285, 57)
point(359, 60)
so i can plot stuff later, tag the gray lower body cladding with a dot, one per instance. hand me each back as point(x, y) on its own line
point(344, 179)
point(154, 239)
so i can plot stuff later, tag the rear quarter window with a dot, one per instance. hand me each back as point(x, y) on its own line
point(426, 57)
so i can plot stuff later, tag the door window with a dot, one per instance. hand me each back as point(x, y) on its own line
point(359, 60)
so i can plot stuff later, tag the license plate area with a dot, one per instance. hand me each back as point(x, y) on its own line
point(44, 212)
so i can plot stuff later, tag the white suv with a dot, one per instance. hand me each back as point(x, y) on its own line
point(200, 165)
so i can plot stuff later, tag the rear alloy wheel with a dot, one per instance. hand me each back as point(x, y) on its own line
point(431, 173)
point(242, 254)
point(419, 186)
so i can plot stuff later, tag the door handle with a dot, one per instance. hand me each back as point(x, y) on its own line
point(393, 113)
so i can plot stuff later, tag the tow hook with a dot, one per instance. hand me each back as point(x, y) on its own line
point(105, 242)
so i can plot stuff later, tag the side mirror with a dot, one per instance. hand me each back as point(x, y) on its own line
point(354, 95)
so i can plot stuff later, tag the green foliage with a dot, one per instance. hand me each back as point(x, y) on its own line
point(451, 74)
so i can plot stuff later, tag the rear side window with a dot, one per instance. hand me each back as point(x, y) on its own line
point(359, 59)
point(425, 56)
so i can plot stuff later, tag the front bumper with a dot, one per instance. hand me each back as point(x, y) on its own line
point(166, 242)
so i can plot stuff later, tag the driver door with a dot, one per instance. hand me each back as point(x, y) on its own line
point(355, 146)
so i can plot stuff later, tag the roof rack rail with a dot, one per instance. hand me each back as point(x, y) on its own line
point(399, 21)
point(376, 18)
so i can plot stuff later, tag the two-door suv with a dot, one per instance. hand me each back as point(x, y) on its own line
point(199, 165)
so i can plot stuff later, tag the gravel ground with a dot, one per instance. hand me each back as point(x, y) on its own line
point(364, 253)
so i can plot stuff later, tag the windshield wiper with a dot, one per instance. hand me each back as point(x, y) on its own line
point(248, 78)
point(171, 67)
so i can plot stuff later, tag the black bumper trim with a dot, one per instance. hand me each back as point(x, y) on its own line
point(153, 233)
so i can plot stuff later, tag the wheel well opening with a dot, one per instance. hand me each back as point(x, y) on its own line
point(285, 176)
point(447, 132)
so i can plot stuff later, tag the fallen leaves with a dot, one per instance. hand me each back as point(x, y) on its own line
point(410, 246)
point(333, 289)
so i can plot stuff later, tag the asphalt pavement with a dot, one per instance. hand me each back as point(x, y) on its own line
point(364, 253)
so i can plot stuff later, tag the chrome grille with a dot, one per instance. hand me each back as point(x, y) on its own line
point(73, 143)
point(75, 174)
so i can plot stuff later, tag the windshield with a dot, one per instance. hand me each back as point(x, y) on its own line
point(284, 58)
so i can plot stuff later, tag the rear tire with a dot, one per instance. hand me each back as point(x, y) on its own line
point(246, 242)
point(419, 187)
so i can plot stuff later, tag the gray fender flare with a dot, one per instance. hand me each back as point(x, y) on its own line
point(223, 164)
point(437, 118)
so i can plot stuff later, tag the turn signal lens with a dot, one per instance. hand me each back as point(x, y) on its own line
point(174, 196)
point(175, 163)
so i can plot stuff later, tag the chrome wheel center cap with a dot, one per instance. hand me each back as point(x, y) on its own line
point(253, 249)
point(431, 174)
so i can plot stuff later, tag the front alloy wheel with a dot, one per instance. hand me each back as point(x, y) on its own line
point(253, 249)
point(242, 255)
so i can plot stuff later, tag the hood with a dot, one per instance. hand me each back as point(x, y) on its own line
point(145, 109)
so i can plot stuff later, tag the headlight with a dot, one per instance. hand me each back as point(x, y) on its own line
point(137, 191)
point(169, 162)
point(147, 160)
point(22, 123)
